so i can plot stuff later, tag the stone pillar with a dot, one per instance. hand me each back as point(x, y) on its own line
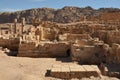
point(23, 24)
point(85, 19)
point(11, 31)
point(15, 25)
point(0, 31)
point(37, 38)
point(42, 33)
point(23, 37)
point(102, 68)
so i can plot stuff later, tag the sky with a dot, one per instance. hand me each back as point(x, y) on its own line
point(15, 5)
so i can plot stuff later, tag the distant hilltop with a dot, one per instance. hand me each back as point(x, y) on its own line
point(65, 15)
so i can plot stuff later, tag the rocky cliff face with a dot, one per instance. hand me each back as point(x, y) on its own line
point(64, 15)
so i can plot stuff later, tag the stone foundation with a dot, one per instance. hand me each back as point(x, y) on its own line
point(74, 71)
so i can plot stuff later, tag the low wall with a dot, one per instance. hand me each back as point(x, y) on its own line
point(109, 37)
point(12, 44)
point(47, 49)
point(92, 54)
point(74, 37)
point(113, 54)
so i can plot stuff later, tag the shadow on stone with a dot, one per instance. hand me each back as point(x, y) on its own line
point(113, 70)
point(12, 53)
point(64, 59)
point(47, 74)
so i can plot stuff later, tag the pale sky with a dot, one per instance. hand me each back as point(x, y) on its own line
point(14, 5)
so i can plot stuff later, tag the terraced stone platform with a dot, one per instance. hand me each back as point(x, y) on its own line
point(74, 71)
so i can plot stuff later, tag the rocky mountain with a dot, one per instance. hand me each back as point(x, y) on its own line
point(64, 15)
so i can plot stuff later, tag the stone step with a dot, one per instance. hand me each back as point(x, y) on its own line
point(74, 71)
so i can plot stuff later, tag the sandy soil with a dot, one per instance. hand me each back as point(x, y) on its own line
point(22, 68)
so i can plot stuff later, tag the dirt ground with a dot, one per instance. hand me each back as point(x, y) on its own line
point(23, 68)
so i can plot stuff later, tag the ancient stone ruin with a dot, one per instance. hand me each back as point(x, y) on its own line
point(86, 42)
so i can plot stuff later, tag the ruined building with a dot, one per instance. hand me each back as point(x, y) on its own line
point(84, 40)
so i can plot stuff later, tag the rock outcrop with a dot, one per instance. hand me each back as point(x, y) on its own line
point(64, 15)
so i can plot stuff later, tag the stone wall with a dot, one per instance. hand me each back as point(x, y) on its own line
point(12, 44)
point(113, 37)
point(113, 53)
point(43, 49)
point(84, 52)
point(73, 37)
point(4, 42)
point(109, 37)
point(49, 34)
point(95, 52)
